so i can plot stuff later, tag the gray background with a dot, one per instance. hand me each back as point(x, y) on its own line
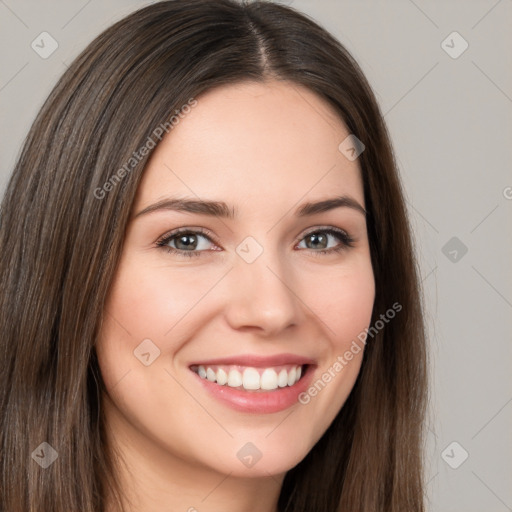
point(450, 121)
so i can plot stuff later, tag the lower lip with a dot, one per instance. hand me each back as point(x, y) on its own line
point(260, 402)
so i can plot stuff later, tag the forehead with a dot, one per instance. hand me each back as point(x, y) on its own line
point(250, 143)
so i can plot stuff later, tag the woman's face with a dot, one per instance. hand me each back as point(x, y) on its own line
point(248, 291)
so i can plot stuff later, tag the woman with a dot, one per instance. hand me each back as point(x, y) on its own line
point(209, 294)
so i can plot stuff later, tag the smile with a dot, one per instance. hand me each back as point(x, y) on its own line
point(250, 378)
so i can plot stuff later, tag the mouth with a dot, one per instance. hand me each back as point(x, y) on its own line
point(252, 383)
point(252, 378)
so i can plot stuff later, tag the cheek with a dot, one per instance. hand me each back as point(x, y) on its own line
point(134, 313)
point(149, 302)
point(343, 300)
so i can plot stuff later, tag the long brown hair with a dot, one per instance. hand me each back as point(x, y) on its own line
point(60, 244)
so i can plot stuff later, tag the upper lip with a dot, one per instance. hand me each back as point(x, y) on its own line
point(257, 360)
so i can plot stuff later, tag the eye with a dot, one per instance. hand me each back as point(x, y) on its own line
point(186, 242)
point(319, 240)
point(190, 242)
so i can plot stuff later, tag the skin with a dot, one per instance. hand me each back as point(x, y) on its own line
point(264, 149)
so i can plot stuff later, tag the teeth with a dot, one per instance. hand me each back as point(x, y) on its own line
point(251, 378)
point(269, 379)
point(234, 379)
point(291, 376)
point(282, 380)
point(222, 377)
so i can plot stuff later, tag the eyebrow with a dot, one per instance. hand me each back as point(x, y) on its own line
point(222, 210)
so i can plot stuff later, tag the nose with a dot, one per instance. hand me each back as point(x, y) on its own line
point(261, 297)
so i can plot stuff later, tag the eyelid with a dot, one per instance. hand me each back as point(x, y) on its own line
point(342, 233)
point(162, 240)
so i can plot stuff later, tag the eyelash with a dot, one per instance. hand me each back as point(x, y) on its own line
point(346, 240)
